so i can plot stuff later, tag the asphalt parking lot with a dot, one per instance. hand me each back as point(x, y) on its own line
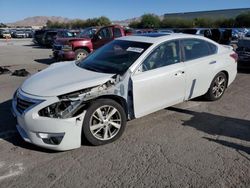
point(193, 144)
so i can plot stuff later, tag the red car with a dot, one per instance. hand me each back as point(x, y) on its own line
point(78, 48)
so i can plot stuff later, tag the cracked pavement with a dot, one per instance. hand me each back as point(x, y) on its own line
point(193, 144)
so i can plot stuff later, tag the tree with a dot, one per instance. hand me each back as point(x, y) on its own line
point(103, 21)
point(176, 23)
point(150, 21)
point(243, 20)
point(77, 24)
point(203, 22)
point(135, 24)
point(225, 23)
point(49, 24)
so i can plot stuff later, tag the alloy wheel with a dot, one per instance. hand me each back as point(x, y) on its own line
point(105, 122)
point(81, 55)
point(219, 86)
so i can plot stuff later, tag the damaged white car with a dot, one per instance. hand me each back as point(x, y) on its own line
point(125, 79)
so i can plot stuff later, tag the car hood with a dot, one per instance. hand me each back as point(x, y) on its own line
point(63, 41)
point(61, 78)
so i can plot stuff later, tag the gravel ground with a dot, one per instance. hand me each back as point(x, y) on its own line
point(193, 144)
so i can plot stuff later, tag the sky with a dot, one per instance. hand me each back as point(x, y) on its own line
point(15, 10)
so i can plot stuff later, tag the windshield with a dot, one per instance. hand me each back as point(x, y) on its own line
point(115, 57)
point(87, 33)
point(69, 34)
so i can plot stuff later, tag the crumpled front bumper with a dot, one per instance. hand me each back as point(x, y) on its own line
point(34, 128)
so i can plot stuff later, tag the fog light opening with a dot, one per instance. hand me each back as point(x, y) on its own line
point(51, 138)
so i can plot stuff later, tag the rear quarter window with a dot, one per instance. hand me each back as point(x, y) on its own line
point(213, 48)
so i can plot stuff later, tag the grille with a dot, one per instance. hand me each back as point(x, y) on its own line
point(22, 105)
point(57, 47)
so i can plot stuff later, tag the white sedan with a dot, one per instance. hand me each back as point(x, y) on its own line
point(128, 78)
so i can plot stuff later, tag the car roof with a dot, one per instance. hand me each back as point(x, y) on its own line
point(160, 37)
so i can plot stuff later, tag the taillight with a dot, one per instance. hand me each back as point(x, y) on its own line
point(234, 56)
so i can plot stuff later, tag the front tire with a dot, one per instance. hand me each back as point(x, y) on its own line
point(80, 54)
point(217, 87)
point(104, 122)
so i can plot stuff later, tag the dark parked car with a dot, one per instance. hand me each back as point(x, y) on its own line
point(48, 38)
point(38, 36)
point(220, 35)
point(195, 31)
point(243, 52)
point(247, 34)
point(29, 33)
point(165, 31)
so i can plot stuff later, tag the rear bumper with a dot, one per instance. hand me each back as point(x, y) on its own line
point(63, 55)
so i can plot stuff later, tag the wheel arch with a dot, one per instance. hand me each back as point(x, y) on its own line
point(83, 48)
point(227, 75)
point(118, 99)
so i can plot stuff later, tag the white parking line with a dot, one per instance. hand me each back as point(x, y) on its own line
point(11, 170)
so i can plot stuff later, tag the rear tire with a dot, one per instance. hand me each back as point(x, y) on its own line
point(80, 54)
point(217, 87)
point(104, 122)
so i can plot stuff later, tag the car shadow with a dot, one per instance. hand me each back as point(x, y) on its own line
point(37, 46)
point(216, 125)
point(200, 99)
point(8, 131)
point(7, 122)
point(244, 70)
point(235, 146)
point(46, 61)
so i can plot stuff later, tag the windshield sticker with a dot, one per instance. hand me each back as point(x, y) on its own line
point(134, 49)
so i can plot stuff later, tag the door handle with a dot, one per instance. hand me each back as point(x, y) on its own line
point(212, 62)
point(179, 73)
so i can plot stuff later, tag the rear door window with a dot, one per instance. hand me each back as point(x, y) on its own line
point(196, 48)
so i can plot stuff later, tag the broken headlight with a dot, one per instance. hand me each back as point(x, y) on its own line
point(69, 105)
point(56, 110)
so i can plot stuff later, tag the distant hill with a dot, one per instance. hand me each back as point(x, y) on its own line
point(213, 14)
point(38, 21)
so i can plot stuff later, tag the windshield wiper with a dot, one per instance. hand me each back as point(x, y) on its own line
point(91, 69)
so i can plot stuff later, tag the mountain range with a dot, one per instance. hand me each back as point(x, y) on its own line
point(38, 21)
